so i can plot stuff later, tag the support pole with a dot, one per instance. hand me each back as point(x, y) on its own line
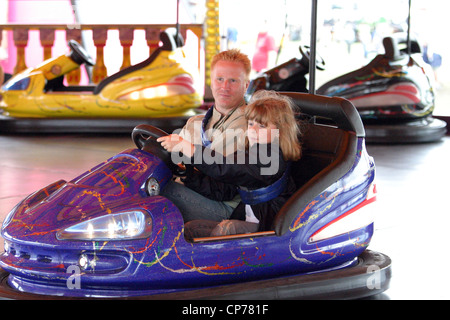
point(312, 53)
point(408, 35)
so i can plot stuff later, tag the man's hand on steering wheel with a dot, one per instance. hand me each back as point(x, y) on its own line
point(145, 137)
point(175, 143)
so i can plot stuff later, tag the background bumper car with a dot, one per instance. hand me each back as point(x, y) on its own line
point(393, 93)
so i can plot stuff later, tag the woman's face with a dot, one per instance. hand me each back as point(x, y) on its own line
point(259, 133)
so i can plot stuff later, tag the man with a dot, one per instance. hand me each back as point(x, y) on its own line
point(230, 77)
point(222, 129)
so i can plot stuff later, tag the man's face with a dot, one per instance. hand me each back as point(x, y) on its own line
point(228, 85)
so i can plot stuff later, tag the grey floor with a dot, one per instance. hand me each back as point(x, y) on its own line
point(412, 226)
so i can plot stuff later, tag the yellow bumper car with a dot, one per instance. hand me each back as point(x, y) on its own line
point(158, 91)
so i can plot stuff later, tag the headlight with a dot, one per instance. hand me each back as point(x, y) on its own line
point(120, 226)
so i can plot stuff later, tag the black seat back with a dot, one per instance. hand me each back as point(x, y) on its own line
point(321, 145)
point(391, 50)
point(329, 152)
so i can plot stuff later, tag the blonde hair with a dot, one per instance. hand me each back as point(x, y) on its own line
point(270, 107)
point(233, 55)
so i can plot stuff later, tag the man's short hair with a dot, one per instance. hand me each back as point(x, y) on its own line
point(233, 55)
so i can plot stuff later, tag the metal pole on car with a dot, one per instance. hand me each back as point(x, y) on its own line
point(312, 53)
point(178, 22)
point(408, 35)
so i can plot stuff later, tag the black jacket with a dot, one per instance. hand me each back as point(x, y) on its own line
point(218, 177)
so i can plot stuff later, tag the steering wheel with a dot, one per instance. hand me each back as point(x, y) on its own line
point(304, 50)
point(79, 55)
point(144, 137)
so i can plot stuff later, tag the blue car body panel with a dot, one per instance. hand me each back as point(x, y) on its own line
point(164, 262)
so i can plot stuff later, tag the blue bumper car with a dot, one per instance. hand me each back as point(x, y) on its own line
point(108, 233)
